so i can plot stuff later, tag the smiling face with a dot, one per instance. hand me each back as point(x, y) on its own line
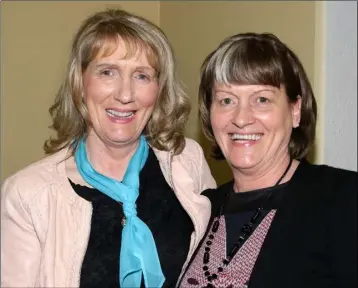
point(252, 124)
point(120, 94)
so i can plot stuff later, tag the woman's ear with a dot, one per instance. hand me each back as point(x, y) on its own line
point(296, 112)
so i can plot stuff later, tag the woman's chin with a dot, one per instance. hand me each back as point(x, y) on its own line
point(243, 164)
point(122, 139)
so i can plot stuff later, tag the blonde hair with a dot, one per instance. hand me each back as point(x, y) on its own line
point(98, 37)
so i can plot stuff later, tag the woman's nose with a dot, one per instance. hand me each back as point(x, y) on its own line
point(124, 92)
point(243, 116)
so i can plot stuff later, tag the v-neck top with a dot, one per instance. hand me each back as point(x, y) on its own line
point(236, 209)
point(312, 239)
point(157, 206)
point(240, 207)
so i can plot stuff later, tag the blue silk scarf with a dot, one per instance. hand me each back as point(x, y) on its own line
point(138, 255)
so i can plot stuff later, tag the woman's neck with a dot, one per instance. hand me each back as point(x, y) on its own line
point(263, 177)
point(110, 160)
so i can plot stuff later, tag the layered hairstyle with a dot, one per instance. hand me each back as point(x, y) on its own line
point(98, 37)
point(259, 59)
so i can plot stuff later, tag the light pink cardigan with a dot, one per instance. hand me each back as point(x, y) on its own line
point(45, 225)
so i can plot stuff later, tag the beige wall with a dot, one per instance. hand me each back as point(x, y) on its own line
point(195, 28)
point(35, 43)
point(36, 37)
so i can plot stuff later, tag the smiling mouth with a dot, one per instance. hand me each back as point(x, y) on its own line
point(120, 115)
point(245, 137)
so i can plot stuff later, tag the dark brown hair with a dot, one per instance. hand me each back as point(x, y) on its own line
point(259, 59)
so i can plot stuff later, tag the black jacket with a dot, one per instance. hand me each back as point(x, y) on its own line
point(312, 241)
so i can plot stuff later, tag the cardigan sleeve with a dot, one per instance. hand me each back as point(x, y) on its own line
point(20, 246)
point(207, 181)
point(343, 230)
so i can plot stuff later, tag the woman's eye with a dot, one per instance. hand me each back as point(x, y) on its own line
point(262, 100)
point(107, 72)
point(226, 101)
point(142, 77)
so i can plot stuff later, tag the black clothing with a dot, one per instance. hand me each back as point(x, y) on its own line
point(158, 207)
point(240, 207)
point(312, 240)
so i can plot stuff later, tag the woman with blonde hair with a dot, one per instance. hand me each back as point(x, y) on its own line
point(117, 203)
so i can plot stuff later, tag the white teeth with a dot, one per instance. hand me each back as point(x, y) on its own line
point(119, 114)
point(245, 137)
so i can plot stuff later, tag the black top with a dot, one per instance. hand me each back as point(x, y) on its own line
point(240, 207)
point(158, 207)
point(312, 241)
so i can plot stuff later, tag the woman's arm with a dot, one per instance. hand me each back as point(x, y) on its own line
point(343, 231)
point(20, 246)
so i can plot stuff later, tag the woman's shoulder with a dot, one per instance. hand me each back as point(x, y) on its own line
point(341, 182)
point(220, 191)
point(189, 164)
point(324, 185)
point(34, 177)
point(329, 175)
point(338, 172)
point(192, 149)
point(191, 156)
point(217, 195)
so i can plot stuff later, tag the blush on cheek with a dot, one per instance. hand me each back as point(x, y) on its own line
point(218, 121)
point(150, 99)
point(148, 102)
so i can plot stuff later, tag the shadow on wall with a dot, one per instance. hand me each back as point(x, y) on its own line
point(221, 170)
point(312, 156)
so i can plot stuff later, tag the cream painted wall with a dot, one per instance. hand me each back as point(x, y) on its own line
point(195, 28)
point(36, 37)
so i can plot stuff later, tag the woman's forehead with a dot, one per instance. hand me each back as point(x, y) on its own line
point(125, 48)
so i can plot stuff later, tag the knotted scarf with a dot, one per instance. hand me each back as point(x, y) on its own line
point(138, 253)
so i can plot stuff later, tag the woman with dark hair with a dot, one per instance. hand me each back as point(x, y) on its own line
point(281, 222)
